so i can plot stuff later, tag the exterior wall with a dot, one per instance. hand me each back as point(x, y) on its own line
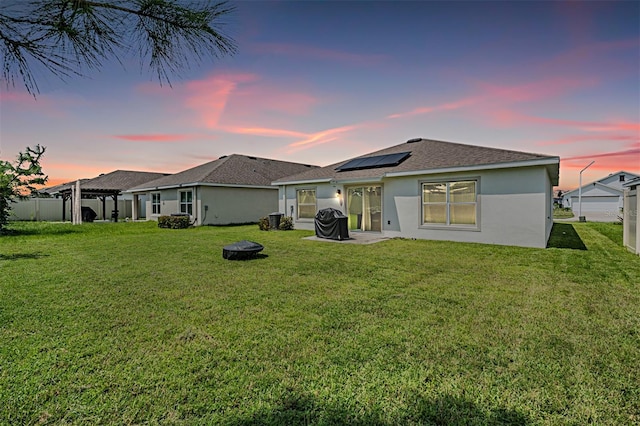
point(326, 195)
point(168, 203)
point(514, 207)
point(631, 221)
point(549, 207)
point(50, 209)
point(224, 205)
point(229, 205)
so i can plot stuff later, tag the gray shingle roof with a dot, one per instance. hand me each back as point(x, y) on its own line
point(60, 187)
point(425, 155)
point(234, 169)
point(118, 180)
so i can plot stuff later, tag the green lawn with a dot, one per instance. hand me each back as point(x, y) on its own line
point(127, 323)
point(561, 213)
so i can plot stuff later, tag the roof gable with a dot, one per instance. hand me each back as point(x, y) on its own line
point(595, 189)
point(614, 179)
point(428, 156)
point(611, 181)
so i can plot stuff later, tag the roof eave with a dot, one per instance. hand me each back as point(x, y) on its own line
point(303, 181)
point(193, 184)
point(550, 161)
point(508, 165)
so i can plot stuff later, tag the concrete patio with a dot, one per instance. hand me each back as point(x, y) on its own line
point(354, 238)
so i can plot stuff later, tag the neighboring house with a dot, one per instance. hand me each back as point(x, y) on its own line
point(631, 217)
point(602, 196)
point(112, 185)
point(433, 190)
point(104, 194)
point(54, 191)
point(233, 189)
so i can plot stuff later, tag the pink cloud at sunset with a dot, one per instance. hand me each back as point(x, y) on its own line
point(255, 99)
point(447, 106)
point(59, 173)
point(263, 131)
point(305, 140)
point(220, 98)
point(509, 117)
point(321, 137)
point(166, 138)
point(208, 98)
point(540, 89)
point(627, 159)
point(591, 137)
point(492, 98)
point(632, 154)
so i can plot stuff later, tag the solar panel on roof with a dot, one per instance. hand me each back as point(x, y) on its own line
point(374, 161)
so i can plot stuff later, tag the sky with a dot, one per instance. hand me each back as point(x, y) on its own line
point(322, 82)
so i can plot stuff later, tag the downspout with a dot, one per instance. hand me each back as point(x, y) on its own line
point(195, 199)
point(284, 195)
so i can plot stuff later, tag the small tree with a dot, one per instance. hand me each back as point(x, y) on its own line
point(17, 180)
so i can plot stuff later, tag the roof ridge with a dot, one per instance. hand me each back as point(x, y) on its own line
point(254, 157)
point(487, 147)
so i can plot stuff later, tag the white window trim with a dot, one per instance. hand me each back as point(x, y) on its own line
point(180, 192)
point(305, 219)
point(446, 226)
point(159, 204)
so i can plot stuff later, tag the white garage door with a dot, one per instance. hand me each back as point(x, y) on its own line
point(597, 204)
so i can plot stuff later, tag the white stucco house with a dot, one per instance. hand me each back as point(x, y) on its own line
point(631, 216)
point(434, 190)
point(233, 189)
point(603, 196)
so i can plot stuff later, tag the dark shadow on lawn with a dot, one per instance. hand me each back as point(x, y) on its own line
point(447, 410)
point(18, 256)
point(50, 230)
point(564, 235)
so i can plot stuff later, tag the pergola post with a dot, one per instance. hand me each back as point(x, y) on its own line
point(115, 207)
point(104, 207)
point(134, 207)
point(64, 208)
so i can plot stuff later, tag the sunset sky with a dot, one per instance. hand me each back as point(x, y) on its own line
point(320, 82)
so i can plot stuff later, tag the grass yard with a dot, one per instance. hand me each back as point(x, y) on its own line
point(562, 213)
point(127, 323)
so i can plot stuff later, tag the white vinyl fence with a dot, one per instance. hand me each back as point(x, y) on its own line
point(50, 209)
point(631, 222)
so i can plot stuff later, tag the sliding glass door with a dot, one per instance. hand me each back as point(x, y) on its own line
point(364, 204)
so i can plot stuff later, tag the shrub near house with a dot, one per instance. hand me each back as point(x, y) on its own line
point(174, 222)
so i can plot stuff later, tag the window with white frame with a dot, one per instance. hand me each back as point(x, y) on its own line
point(186, 202)
point(155, 203)
point(306, 203)
point(450, 203)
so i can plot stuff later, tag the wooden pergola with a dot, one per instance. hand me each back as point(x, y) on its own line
point(100, 194)
point(105, 186)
